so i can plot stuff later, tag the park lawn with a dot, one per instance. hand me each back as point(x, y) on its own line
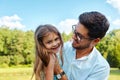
point(26, 73)
point(114, 74)
point(15, 73)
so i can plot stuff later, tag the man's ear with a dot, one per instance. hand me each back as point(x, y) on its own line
point(95, 41)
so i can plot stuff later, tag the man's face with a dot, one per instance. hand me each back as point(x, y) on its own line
point(81, 40)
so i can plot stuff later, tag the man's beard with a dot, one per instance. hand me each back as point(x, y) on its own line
point(81, 47)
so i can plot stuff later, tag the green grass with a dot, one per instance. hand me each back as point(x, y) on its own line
point(25, 74)
point(15, 73)
point(114, 74)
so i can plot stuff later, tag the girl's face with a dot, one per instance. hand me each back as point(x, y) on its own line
point(52, 42)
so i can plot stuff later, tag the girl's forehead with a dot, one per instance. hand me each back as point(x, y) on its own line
point(50, 35)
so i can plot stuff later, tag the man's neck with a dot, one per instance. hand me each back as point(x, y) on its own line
point(83, 52)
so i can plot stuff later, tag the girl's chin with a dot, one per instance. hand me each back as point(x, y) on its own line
point(55, 50)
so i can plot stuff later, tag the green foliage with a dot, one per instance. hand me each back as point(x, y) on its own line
point(66, 37)
point(16, 60)
point(4, 61)
point(110, 48)
point(17, 47)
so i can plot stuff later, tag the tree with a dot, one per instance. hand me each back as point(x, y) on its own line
point(110, 48)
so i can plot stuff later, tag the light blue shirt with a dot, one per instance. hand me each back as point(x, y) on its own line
point(91, 67)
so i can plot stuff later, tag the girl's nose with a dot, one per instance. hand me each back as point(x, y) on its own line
point(54, 43)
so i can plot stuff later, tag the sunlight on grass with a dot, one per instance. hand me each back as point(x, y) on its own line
point(26, 73)
point(15, 73)
point(114, 74)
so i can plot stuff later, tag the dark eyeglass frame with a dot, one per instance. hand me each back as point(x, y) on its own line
point(78, 35)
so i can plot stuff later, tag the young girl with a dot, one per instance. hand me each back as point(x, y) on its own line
point(48, 42)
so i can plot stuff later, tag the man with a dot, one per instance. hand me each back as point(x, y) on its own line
point(81, 60)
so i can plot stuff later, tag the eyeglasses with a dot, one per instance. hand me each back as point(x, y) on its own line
point(78, 35)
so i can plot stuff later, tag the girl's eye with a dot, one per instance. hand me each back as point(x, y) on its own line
point(49, 42)
point(56, 39)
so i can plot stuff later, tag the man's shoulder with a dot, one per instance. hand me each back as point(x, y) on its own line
point(100, 59)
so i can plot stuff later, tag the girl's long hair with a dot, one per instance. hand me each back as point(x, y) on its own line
point(42, 57)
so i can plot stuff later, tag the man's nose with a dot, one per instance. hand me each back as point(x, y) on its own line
point(74, 37)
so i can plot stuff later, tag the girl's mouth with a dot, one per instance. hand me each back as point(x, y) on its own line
point(55, 48)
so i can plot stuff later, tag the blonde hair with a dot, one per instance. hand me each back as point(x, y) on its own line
point(42, 55)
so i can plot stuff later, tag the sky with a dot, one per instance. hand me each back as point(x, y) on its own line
point(29, 14)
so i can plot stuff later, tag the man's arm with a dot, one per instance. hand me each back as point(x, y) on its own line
point(99, 74)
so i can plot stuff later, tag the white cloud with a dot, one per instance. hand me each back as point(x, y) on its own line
point(116, 22)
point(11, 22)
point(115, 4)
point(66, 25)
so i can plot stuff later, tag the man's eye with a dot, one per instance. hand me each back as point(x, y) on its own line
point(80, 35)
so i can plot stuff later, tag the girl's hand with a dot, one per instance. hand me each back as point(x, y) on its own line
point(49, 71)
point(57, 67)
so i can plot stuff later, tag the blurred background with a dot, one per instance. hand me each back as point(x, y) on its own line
point(19, 19)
